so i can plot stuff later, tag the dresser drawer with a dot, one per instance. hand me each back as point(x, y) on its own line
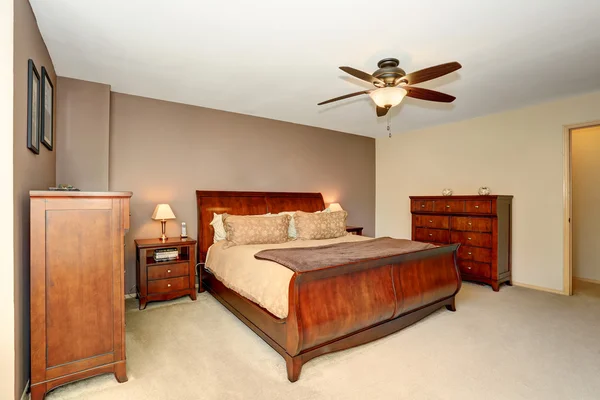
point(168, 285)
point(432, 235)
point(167, 271)
point(422, 205)
point(471, 238)
point(475, 254)
point(475, 224)
point(449, 206)
point(475, 268)
point(478, 207)
point(431, 221)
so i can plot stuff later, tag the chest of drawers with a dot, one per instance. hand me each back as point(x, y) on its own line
point(482, 226)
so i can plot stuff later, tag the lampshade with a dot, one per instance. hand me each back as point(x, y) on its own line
point(163, 211)
point(388, 96)
point(333, 207)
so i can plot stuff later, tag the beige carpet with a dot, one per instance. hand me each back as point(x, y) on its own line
point(515, 344)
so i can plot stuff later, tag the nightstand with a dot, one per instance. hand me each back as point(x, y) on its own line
point(355, 230)
point(165, 280)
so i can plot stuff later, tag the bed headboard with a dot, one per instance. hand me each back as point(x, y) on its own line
point(247, 203)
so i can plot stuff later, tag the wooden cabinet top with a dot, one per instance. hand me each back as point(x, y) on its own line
point(462, 197)
point(66, 193)
point(157, 242)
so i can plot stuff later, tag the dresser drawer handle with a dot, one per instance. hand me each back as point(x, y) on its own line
point(469, 254)
point(469, 238)
point(431, 234)
point(430, 221)
point(469, 268)
point(422, 205)
point(476, 206)
point(447, 205)
point(470, 224)
point(169, 285)
point(169, 271)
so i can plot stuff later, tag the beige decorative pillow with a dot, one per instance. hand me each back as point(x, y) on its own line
point(321, 225)
point(255, 229)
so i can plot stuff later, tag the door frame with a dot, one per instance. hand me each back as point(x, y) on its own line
point(568, 203)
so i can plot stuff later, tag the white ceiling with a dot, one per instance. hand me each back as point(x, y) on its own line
point(277, 59)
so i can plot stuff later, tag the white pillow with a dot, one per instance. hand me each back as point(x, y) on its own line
point(217, 224)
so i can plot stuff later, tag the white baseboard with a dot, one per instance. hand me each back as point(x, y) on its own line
point(540, 288)
point(597, 282)
point(25, 395)
point(130, 296)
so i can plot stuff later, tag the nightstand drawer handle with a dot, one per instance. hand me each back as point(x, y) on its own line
point(169, 271)
point(169, 285)
point(431, 234)
point(476, 206)
point(422, 205)
point(469, 238)
point(447, 205)
point(468, 267)
point(430, 221)
point(470, 224)
point(469, 254)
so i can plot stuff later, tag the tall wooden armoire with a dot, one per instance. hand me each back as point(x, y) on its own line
point(77, 287)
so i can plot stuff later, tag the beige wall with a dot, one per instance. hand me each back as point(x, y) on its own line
point(30, 172)
point(518, 152)
point(585, 163)
point(82, 118)
point(7, 270)
point(164, 151)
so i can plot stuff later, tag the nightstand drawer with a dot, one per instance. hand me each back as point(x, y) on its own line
point(168, 285)
point(167, 271)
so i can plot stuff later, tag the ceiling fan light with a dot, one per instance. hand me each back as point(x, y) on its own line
point(388, 96)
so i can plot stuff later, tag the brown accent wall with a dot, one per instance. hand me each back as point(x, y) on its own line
point(164, 151)
point(82, 118)
point(30, 172)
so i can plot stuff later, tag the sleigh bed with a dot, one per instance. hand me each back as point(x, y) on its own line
point(333, 308)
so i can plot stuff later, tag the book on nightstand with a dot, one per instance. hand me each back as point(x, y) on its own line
point(169, 254)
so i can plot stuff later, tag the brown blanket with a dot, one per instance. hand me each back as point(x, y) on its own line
point(305, 259)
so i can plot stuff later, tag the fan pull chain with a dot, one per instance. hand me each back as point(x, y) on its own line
point(389, 125)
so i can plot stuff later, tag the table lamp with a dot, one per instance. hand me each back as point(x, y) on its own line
point(333, 207)
point(162, 213)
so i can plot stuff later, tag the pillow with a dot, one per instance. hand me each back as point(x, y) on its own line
point(325, 225)
point(256, 229)
point(217, 224)
point(292, 227)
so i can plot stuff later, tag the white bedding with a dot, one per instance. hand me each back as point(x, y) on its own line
point(264, 282)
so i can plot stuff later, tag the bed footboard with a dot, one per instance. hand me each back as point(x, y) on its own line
point(340, 307)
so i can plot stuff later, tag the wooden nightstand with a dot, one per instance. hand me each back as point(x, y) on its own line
point(165, 280)
point(355, 230)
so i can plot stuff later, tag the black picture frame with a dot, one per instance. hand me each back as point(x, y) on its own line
point(47, 110)
point(33, 108)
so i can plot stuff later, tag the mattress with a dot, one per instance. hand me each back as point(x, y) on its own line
point(264, 282)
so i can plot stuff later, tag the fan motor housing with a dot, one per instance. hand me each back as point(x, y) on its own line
point(389, 71)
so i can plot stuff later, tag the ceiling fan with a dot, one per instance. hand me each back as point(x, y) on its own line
point(392, 84)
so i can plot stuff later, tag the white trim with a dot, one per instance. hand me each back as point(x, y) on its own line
point(25, 395)
point(568, 205)
point(576, 278)
point(539, 288)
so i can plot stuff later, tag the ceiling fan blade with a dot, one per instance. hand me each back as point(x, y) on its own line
point(381, 111)
point(344, 97)
point(363, 75)
point(427, 94)
point(428, 74)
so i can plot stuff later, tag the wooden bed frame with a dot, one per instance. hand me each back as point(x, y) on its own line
point(335, 308)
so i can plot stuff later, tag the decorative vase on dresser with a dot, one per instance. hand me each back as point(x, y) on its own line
point(482, 226)
point(77, 287)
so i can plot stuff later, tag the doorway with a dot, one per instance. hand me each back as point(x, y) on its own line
point(582, 214)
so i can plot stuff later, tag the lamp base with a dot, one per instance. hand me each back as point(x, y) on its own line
point(163, 223)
